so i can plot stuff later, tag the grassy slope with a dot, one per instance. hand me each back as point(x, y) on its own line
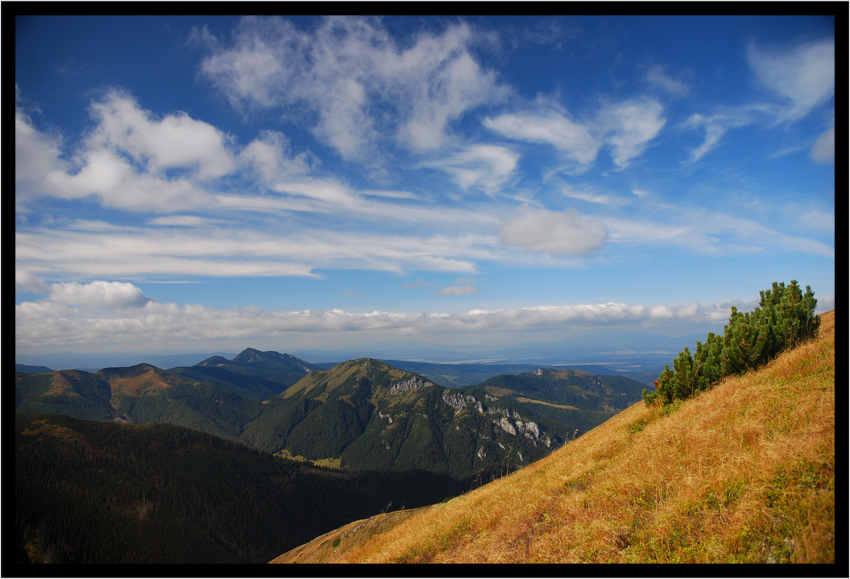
point(745, 472)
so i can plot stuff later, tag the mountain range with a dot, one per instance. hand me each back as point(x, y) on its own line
point(362, 413)
point(621, 351)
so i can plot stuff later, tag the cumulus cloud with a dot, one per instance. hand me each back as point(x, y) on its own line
point(802, 77)
point(122, 160)
point(823, 151)
point(348, 72)
point(111, 294)
point(27, 282)
point(118, 313)
point(173, 141)
point(566, 233)
point(36, 153)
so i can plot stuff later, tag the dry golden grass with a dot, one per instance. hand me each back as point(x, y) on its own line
point(146, 382)
point(59, 386)
point(745, 472)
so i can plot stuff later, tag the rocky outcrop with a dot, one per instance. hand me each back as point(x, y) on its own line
point(408, 385)
point(512, 423)
point(458, 401)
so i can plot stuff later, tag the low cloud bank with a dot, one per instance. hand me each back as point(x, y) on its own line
point(103, 312)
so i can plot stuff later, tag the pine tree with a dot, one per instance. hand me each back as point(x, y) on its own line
point(784, 318)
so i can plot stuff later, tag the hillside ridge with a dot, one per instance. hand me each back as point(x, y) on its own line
point(362, 413)
point(742, 473)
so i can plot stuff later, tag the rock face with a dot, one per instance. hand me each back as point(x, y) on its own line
point(408, 385)
point(458, 401)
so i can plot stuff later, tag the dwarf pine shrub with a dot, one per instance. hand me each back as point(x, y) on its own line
point(784, 318)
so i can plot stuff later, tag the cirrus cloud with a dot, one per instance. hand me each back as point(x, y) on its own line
point(347, 73)
point(803, 77)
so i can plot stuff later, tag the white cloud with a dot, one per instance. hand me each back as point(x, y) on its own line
point(184, 221)
point(226, 252)
point(572, 139)
point(710, 232)
point(483, 166)
point(655, 76)
point(103, 169)
point(629, 126)
point(823, 151)
point(27, 282)
point(174, 141)
point(348, 73)
point(97, 293)
point(131, 318)
point(802, 77)
point(625, 127)
point(591, 197)
point(457, 290)
point(566, 233)
point(717, 125)
point(36, 153)
point(269, 155)
point(262, 60)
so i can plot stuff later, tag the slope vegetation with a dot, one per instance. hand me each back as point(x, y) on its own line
point(742, 473)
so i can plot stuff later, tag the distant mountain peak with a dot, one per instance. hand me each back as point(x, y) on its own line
point(249, 355)
point(130, 371)
point(253, 356)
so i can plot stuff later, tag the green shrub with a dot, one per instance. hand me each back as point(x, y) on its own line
point(784, 318)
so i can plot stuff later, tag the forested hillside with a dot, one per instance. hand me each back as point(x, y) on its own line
point(95, 492)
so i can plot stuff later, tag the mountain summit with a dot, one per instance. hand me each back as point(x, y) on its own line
point(251, 373)
point(367, 414)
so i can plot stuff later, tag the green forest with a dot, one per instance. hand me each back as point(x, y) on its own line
point(96, 492)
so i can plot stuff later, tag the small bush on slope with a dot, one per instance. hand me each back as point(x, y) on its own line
point(744, 472)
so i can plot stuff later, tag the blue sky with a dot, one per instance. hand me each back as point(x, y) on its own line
point(214, 183)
